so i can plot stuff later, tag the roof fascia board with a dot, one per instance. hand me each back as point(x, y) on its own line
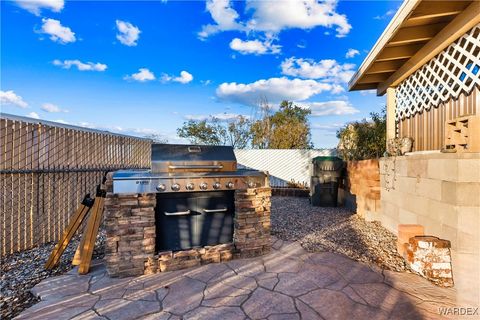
point(466, 20)
point(403, 12)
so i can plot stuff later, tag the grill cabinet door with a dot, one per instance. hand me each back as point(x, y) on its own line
point(215, 219)
point(175, 222)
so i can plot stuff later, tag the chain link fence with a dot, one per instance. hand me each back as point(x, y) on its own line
point(45, 171)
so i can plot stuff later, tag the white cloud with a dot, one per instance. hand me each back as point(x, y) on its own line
point(328, 108)
point(224, 16)
point(33, 115)
point(142, 75)
point(36, 6)
point(128, 34)
point(220, 116)
point(274, 90)
point(52, 108)
point(206, 82)
point(327, 128)
point(306, 14)
point(326, 70)
point(57, 32)
point(10, 97)
point(265, 17)
point(184, 77)
point(352, 53)
point(386, 15)
point(255, 46)
point(81, 66)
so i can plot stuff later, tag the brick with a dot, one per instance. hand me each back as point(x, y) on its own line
point(443, 169)
point(468, 243)
point(416, 204)
point(448, 215)
point(468, 219)
point(430, 257)
point(468, 170)
point(432, 226)
point(417, 168)
point(430, 188)
point(468, 194)
point(407, 231)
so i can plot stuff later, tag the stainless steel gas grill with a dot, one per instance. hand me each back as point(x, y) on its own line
point(188, 168)
point(195, 193)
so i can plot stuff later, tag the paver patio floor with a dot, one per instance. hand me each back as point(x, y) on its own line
point(288, 283)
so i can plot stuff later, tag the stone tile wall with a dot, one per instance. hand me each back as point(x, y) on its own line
point(131, 231)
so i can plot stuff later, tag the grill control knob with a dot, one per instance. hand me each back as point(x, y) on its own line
point(216, 185)
point(190, 186)
point(161, 187)
point(175, 187)
point(203, 186)
point(230, 185)
point(252, 184)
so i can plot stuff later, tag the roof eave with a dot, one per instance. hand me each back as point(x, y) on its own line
point(402, 14)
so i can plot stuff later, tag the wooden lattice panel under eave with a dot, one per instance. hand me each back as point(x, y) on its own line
point(454, 71)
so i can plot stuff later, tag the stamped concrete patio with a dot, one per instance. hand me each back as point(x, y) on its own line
point(289, 283)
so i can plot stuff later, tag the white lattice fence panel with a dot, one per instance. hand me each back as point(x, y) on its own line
point(454, 71)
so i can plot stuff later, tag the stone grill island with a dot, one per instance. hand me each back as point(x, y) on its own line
point(185, 217)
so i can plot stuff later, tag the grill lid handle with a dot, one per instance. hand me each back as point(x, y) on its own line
point(214, 210)
point(178, 213)
point(194, 149)
point(192, 166)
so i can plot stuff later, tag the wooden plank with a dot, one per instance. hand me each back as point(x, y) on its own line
point(77, 258)
point(435, 9)
point(75, 222)
point(391, 107)
point(91, 234)
point(417, 34)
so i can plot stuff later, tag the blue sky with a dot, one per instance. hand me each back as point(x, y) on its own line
point(146, 67)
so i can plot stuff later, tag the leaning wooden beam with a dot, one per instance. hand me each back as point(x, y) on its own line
point(86, 251)
point(78, 253)
point(67, 235)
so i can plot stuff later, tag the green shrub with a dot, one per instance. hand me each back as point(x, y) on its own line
point(363, 139)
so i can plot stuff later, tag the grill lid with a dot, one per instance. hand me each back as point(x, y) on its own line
point(192, 158)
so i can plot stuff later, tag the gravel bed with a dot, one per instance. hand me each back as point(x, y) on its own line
point(336, 230)
point(22, 271)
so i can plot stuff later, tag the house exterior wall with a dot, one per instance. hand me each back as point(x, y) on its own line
point(441, 192)
point(444, 88)
point(428, 128)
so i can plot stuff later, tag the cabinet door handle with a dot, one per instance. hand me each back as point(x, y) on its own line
point(215, 210)
point(178, 213)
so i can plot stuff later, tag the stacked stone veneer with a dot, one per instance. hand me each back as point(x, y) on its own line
point(131, 232)
point(252, 222)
